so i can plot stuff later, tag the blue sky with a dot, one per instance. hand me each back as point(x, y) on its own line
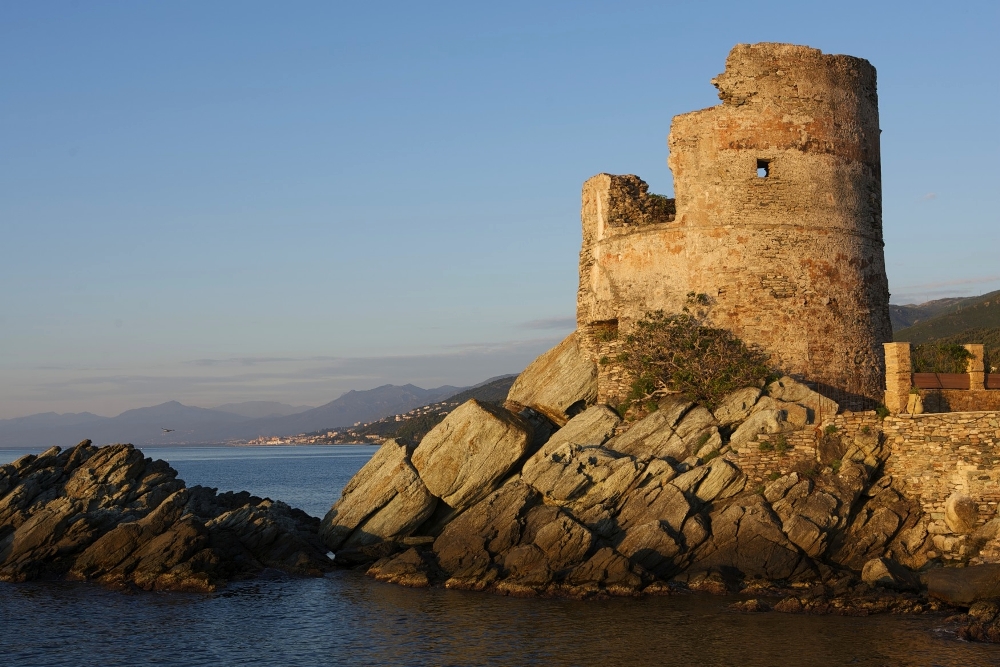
point(225, 201)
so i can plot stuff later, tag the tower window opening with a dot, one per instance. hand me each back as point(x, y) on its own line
point(763, 168)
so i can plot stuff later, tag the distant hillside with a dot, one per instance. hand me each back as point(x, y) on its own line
point(414, 424)
point(981, 312)
point(910, 314)
point(142, 426)
point(191, 425)
point(261, 409)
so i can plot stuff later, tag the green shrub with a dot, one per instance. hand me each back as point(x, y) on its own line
point(781, 444)
point(604, 361)
point(682, 353)
point(866, 430)
point(774, 475)
point(759, 489)
point(766, 446)
point(940, 358)
point(711, 455)
point(835, 464)
point(830, 429)
point(882, 412)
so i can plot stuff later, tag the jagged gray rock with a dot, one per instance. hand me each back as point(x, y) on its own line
point(889, 574)
point(592, 427)
point(588, 481)
point(111, 515)
point(736, 407)
point(558, 380)
point(385, 500)
point(763, 421)
point(792, 391)
point(676, 431)
point(467, 455)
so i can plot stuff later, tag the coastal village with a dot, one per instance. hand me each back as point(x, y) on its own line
point(367, 433)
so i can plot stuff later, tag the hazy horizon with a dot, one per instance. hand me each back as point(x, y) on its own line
point(246, 201)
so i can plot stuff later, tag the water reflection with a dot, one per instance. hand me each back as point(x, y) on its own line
point(348, 619)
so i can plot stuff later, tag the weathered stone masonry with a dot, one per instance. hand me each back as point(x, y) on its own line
point(777, 219)
point(939, 456)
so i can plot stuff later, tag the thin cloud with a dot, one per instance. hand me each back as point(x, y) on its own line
point(300, 381)
point(550, 323)
point(951, 283)
point(929, 196)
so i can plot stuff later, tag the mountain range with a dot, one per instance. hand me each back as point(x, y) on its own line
point(235, 421)
point(936, 319)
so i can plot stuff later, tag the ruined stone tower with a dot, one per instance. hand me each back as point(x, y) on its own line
point(777, 219)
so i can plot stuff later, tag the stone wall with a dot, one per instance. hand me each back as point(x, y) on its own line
point(791, 259)
point(940, 456)
point(960, 400)
point(802, 453)
point(764, 464)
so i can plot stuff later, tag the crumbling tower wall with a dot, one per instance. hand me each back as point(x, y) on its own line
point(777, 219)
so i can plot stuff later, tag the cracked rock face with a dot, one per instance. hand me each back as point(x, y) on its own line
point(111, 515)
point(385, 500)
point(467, 455)
point(606, 507)
point(557, 381)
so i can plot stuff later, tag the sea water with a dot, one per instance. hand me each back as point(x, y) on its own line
point(348, 619)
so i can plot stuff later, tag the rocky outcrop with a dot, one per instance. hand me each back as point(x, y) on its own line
point(111, 515)
point(385, 501)
point(561, 381)
point(466, 456)
point(964, 585)
point(606, 506)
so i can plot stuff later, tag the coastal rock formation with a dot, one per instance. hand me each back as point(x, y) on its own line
point(465, 456)
point(557, 382)
point(111, 515)
point(608, 506)
point(386, 499)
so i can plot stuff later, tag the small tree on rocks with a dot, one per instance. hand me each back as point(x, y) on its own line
point(682, 353)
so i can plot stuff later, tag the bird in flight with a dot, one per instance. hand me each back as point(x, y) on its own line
point(167, 430)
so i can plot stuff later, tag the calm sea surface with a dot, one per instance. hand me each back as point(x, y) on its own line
point(347, 619)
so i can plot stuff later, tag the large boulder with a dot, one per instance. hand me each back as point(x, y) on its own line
point(961, 513)
point(590, 428)
point(793, 413)
point(736, 406)
point(561, 379)
point(889, 574)
point(674, 431)
point(792, 391)
point(469, 454)
point(589, 482)
point(763, 421)
point(385, 500)
point(468, 545)
point(964, 585)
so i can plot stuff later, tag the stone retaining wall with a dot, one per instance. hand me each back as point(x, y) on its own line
point(774, 460)
point(934, 456)
point(960, 400)
point(802, 447)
